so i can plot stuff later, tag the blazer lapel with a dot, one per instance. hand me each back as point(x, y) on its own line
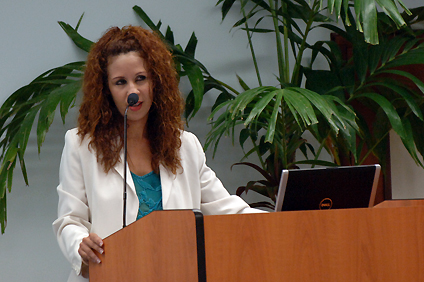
point(119, 167)
point(166, 182)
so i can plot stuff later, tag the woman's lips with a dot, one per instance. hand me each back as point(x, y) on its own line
point(136, 107)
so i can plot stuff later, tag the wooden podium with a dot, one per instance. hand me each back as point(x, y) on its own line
point(374, 244)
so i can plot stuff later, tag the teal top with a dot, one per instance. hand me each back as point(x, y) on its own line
point(149, 192)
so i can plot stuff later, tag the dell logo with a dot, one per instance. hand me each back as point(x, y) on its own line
point(325, 204)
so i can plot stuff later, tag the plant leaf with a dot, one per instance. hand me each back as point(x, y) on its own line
point(273, 120)
point(3, 212)
point(80, 41)
point(195, 77)
point(191, 46)
point(408, 142)
point(140, 12)
point(390, 111)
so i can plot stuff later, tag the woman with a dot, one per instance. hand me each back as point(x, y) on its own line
point(166, 165)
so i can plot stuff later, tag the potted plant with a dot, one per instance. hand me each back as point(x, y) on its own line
point(269, 117)
point(273, 118)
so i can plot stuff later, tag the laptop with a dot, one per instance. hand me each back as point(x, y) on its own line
point(328, 188)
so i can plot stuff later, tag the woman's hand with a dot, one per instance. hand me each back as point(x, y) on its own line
point(88, 244)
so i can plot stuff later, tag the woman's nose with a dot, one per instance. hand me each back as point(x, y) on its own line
point(133, 89)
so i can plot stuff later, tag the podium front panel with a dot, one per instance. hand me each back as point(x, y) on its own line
point(370, 244)
point(163, 246)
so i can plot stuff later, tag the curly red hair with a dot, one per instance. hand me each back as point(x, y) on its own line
point(99, 118)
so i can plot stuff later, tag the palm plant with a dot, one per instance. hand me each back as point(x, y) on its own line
point(273, 118)
point(378, 78)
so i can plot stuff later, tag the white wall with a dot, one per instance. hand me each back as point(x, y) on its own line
point(32, 42)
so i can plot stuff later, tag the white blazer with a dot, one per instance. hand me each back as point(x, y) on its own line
point(90, 201)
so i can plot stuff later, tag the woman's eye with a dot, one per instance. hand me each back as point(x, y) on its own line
point(141, 77)
point(120, 82)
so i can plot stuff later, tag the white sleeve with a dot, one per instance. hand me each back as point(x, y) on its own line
point(215, 199)
point(73, 222)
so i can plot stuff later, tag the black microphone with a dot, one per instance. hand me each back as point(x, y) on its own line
point(131, 100)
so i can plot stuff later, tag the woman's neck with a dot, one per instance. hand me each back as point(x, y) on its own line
point(136, 131)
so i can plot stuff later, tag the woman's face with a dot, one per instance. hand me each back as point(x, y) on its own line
point(127, 74)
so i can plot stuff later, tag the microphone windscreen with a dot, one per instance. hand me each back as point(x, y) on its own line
point(132, 99)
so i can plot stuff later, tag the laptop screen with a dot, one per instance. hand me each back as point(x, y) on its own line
point(328, 188)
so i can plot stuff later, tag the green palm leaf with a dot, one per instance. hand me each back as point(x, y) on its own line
point(408, 142)
point(390, 111)
point(80, 41)
point(260, 105)
point(269, 137)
